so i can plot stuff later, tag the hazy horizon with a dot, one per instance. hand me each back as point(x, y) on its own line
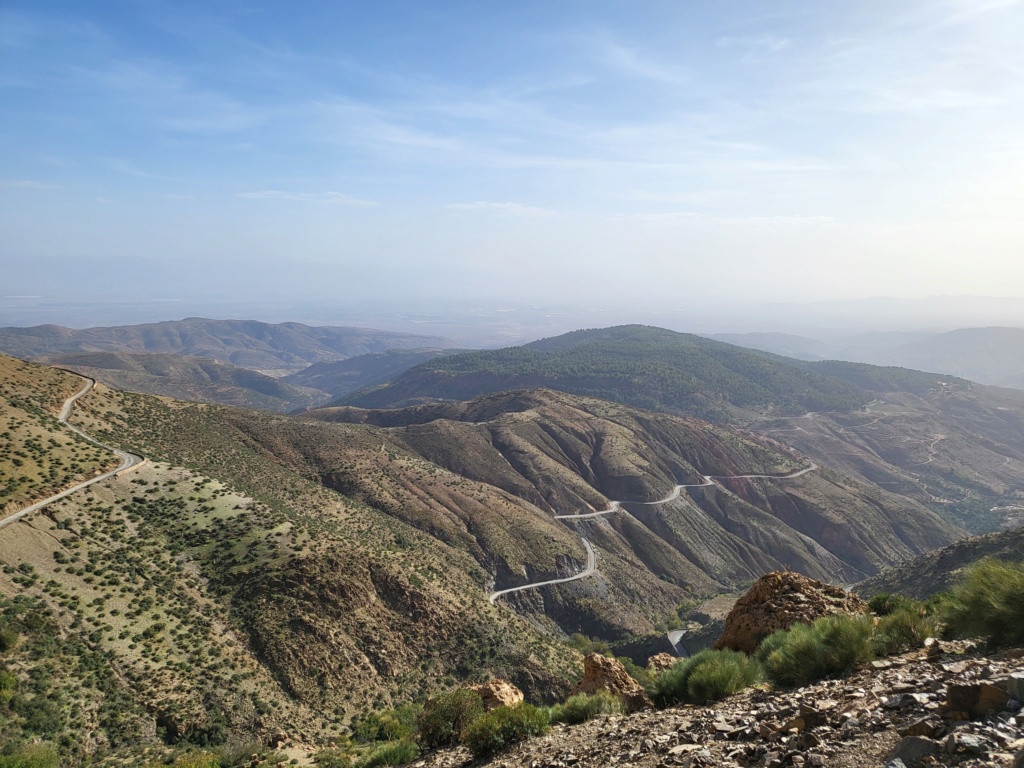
point(650, 160)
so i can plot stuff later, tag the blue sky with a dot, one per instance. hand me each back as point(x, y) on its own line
point(639, 151)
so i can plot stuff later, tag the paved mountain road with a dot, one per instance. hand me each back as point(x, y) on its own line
point(128, 460)
point(615, 506)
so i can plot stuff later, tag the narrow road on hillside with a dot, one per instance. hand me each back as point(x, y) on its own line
point(615, 506)
point(128, 460)
point(591, 567)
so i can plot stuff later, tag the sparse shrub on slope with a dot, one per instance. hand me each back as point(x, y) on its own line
point(989, 603)
point(586, 706)
point(392, 753)
point(446, 716)
point(504, 726)
point(804, 653)
point(708, 676)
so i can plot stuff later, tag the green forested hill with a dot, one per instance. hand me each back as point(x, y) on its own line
point(638, 365)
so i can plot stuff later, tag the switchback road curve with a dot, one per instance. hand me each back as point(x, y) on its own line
point(615, 506)
point(128, 460)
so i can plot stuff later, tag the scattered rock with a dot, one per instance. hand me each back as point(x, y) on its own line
point(968, 701)
point(777, 601)
point(912, 751)
point(601, 673)
point(497, 693)
point(932, 648)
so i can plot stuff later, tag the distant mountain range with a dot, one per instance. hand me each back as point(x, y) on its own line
point(992, 356)
point(278, 347)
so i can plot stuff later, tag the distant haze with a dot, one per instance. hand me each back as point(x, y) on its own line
point(335, 162)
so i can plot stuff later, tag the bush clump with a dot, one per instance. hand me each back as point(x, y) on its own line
point(391, 753)
point(445, 717)
point(804, 653)
point(884, 603)
point(584, 706)
point(903, 629)
point(503, 726)
point(708, 676)
point(988, 603)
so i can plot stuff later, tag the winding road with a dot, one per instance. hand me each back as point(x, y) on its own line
point(615, 506)
point(128, 460)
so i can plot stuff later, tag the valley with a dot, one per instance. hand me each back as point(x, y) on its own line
point(342, 558)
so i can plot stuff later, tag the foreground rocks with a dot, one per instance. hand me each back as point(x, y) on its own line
point(602, 673)
point(779, 600)
point(895, 712)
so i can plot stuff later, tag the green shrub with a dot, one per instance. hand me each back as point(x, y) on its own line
point(883, 603)
point(392, 753)
point(446, 716)
point(584, 706)
point(804, 653)
point(197, 760)
point(903, 630)
point(391, 725)
point(988, 603)
point(504, 726)
point(708, 676)
point(30, 756)
point(333, 757)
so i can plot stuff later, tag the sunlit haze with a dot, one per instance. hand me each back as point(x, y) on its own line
point(319, 157)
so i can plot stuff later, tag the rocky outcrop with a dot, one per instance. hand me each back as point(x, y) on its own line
point(659, 662)
point(779, 600)
point(601, 673)
point(497, 693)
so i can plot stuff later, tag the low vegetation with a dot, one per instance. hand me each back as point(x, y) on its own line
point(586, 706)
point(988, 603)
point(708, 676)
point(804, 653)
point(446, 717)
point(505, 726)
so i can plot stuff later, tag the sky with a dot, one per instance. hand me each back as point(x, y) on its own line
point(628, 154)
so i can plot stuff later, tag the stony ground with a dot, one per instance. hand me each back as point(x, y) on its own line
point(893, 709)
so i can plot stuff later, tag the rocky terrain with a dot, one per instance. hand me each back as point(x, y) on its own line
point(905, 707)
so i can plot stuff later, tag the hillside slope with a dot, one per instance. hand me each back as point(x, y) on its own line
point(168, 605)
point(342, 377)
point(939, 570)
point(569, 455)
point(39, 456)
point(951, 444)
point(201, 379)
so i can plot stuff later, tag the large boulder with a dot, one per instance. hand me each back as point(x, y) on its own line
point(497, 693)
point(779, 600)
point(601, 673)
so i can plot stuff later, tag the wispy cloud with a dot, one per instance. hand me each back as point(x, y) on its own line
point(330, 198)
point(634, 63)
point(27, 184)
point(769, 43)
point(684, 217)
point(503, 209)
